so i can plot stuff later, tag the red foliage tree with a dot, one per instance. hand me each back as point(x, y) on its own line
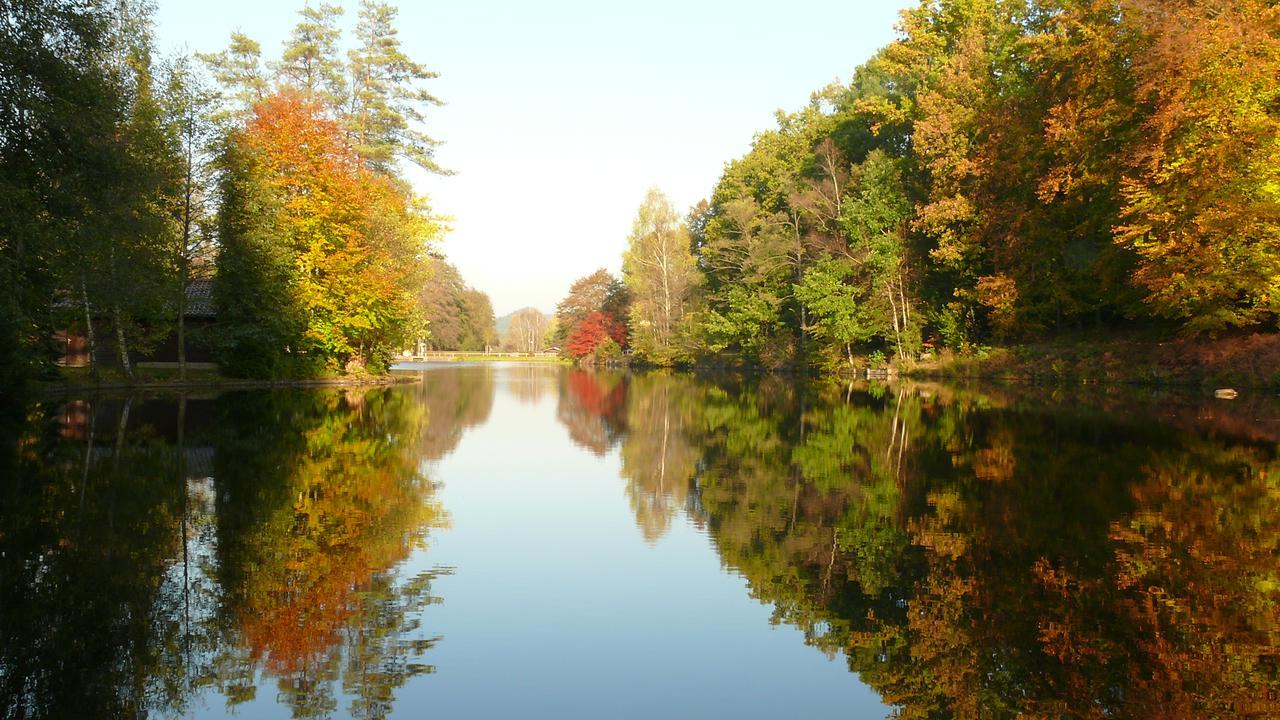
point(594, 331)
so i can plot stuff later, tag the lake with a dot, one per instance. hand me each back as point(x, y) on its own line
point(543, 542)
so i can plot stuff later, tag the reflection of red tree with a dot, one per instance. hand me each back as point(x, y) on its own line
point(593, 331)
point(591, 407)
point(594, 396)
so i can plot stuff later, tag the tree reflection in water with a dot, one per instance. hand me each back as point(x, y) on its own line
point(974, 556)
point(970, 555)
point(255, 535)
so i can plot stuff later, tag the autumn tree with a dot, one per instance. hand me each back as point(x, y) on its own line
point(661, 274)
point(458, 317)
point(341, 248)
point(600, 334)
point(1202, 188)
point(598, 292)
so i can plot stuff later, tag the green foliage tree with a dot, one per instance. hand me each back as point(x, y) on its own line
point(838, 306)
point(386, 103)
point(310, 62)
point(661, 275)
point(54, 168)
point(189, 106)
point(239, 72)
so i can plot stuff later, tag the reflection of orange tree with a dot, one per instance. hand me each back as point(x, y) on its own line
point(592, 406)
point(312, 570)
point(1195, 575)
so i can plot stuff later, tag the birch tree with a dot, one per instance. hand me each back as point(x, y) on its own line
point(527, 332)
point(661, 272)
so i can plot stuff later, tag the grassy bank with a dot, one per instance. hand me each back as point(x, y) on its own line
point(1242, 361)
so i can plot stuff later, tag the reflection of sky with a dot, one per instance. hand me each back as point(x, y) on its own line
point(558, 608)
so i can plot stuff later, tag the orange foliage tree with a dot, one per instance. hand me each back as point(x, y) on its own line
point(350, 244)
point(1202, 195)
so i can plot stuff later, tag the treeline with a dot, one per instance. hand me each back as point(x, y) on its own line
point(459, 316)
point(126, 175)
point(1004, 170)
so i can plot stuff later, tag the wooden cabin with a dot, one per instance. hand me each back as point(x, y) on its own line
point(199, 320)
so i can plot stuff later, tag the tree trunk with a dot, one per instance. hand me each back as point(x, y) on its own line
point(893, 306)
point(182, 336)
point(90, 338)
point(122, 345)
point(184, 263)
point(117, 319)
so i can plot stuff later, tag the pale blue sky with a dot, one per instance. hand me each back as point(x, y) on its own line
point(562, 113)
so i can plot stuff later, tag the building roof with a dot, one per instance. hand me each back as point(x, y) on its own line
point(200, 298)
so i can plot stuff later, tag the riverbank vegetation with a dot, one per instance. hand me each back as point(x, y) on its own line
point(1005, 172)
point(127, 175)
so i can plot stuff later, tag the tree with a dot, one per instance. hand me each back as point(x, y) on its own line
point(1203, 186)
point(840, 311)
point(349, 244)
point(188, 107)
point(598, 292)
point(876, 219)
point(661, 275)
point(134, 232)
point(480, 331)
point(238, 69)
point(598, 333)
point(54, 169)
point(386, 103)
point(527, 331)
point(458, 317)
point(310, 63)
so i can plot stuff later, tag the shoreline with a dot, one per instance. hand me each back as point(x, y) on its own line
point(1245, 361)
point(218, 383)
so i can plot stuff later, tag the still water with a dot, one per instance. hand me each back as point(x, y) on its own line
point(530, 541)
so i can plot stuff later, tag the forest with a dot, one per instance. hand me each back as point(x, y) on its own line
point(127, 175)
point(1006, 170)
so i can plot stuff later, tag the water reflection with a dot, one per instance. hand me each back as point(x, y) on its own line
point(153, 550)
point(967, 554)
point(980, 558)
point(592, 406)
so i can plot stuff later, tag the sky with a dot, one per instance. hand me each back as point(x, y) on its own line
point(561, 114)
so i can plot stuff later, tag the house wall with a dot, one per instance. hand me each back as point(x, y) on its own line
point(75, 347)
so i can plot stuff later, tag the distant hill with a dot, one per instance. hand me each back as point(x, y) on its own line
point(504, 322)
